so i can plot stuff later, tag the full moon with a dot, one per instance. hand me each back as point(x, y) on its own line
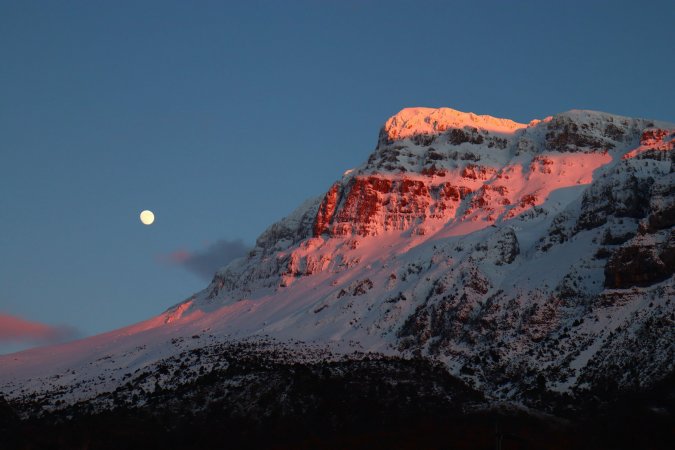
point(147, 217)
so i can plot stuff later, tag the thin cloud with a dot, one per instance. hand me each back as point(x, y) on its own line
point(204, 263)
point(15, 330)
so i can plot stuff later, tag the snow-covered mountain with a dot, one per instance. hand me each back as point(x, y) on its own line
point(520, 256)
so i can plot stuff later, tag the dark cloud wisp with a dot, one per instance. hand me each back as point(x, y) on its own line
point(205, 263)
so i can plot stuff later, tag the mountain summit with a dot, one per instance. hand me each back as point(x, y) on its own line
point(410, 122)
point(521, 257)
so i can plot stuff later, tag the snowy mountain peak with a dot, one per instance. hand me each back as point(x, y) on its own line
point(542, 251)
point(410, 122)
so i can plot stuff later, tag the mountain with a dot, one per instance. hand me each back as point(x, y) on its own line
point(532, 263)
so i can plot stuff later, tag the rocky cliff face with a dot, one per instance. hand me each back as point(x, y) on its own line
point(430, 165)
point(436, 169)
point(526, 258)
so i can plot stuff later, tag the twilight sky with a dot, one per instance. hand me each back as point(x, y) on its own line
point(222, 117)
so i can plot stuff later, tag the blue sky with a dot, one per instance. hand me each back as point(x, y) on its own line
point(221, 117)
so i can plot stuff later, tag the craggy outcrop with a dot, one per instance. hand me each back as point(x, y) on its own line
point(642, 261)
point(326, 210)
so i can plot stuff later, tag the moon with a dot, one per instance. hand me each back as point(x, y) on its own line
point(147, 217)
